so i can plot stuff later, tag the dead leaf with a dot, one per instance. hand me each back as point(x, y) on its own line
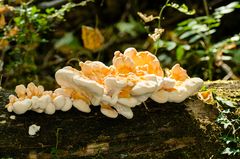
point(2, 21)
point(157, 34)
point(13, 31)
point(5, 8)
point(3, 44)
point(92, 38)
point(237, 112)
point(146, 18)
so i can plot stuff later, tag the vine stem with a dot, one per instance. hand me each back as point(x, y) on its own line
point(159, 21)
point(211, 60)
point(206, 7)
point(160, 13)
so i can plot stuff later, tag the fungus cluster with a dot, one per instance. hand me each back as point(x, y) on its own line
point(36, 99)
point(132, 78)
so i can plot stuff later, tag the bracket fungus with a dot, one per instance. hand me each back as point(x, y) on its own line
point(132, 78)
point(36, 99)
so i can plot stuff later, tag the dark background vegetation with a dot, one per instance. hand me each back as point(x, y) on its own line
point(59, 42)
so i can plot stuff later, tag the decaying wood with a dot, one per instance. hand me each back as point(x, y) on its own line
point(185, 130)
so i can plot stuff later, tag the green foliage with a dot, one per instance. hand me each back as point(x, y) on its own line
point(59, 13)
point(168, 45)
point(194, 42)
point(67, 40)
point(229, 119)
point(181, 8)
point(132, 27)
point(24, 32)
point(194, 29)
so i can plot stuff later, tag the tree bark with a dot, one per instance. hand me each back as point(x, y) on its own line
point(183, 130)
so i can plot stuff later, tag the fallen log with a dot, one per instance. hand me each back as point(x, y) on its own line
point(185, 130)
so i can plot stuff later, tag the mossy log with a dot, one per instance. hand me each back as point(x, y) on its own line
point(184, 130)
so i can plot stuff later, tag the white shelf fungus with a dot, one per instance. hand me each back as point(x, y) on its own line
point(130, 80)
point(33, 129)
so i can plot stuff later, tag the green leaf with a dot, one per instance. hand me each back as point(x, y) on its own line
point(236, 56)
point(225, 102)
point(132, 27)
point(170, 45)
point(219, 12)
point(227, 151)
point(210, 32)
point(50, 10)
point(185, 22)
point(187, 34)
point(17, 20)
point(33, 10)
point(195, 38)
point(183, 8)
point(179, 52)
point(231, 151)
point(200, 53)
point(126, 27)
point(67, 40)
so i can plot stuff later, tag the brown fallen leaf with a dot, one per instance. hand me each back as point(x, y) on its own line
point(92, 38)
point(2, 21)
point(3, 44)
point(5, 8)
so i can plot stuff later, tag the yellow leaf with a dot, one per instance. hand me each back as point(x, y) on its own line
point(5, 8)
point(92, 38)
point(13, 31)
point(3, 44)
point(206, 97)
point(2, 21)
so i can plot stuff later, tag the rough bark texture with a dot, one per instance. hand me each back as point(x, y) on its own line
point(185, 130)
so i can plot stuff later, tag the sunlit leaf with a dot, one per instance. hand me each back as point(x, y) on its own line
point(195, 38)
point(210, 32)
point(223, 120)
point(169, 45)
point(219, 12)
point(182, 8)
point(2, 21)
point(186, 47)
point(50, 10)
point(187, 34)
point(227, 151)
point(59, 13)
point(92, 38)
point(225, 102)
point(230, 151)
